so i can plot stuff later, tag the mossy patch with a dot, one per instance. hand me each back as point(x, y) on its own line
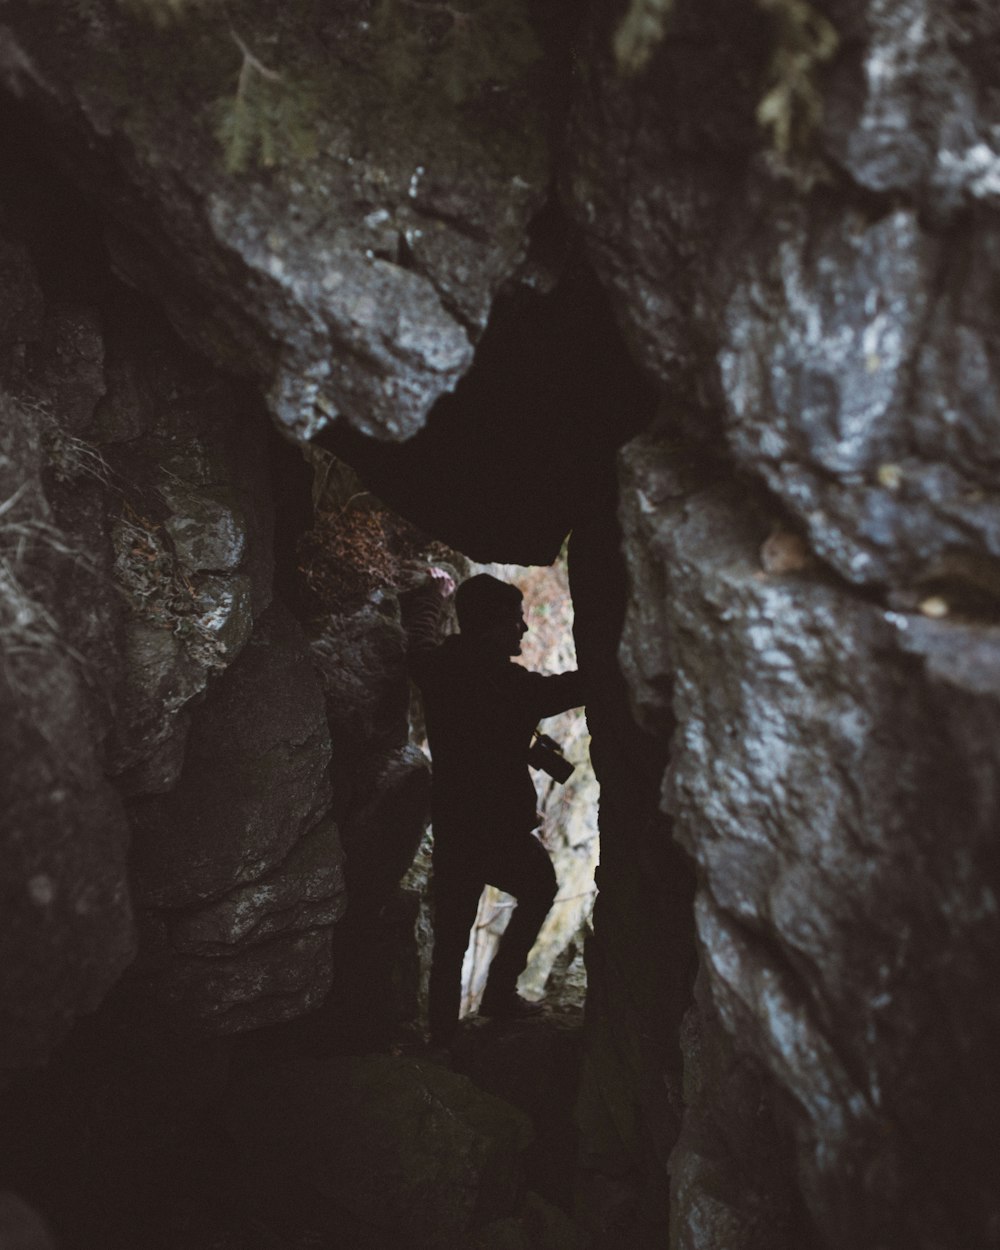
point(275, 87)
point(803, 40)
point(640, 33)
point(792, 106)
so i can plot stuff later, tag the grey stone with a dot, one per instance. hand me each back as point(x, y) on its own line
point(161, 679)
point(207, 532)
point(348, 283)
point(191, 532)
point(223, 618)
point(255, 986)
point(127, 408)
point(305, 891)
point(254, 778)
point(732, 1170)
point(361, 659)
point(169, 660)
point(823, 782)
point(68, 363)
point(904, 112)
point(836, 343)
point(845, 394)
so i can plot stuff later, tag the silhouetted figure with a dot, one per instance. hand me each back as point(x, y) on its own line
point(481, 711)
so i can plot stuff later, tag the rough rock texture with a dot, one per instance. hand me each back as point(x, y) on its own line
point(136, 528)
point(841, 336)
point(524, 448)
point(816, 313)
point(242, 872)
point(846, 930)
point(191, 541)
point(794, 213)
point(733, 1175)
point(67, 930)
point(294, 195)
point(382, 796)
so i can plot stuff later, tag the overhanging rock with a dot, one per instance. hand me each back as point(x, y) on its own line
point(301, 207)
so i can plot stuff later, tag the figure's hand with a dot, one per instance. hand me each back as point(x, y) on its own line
point(443, 581)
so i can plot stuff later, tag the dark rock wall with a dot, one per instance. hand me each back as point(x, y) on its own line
point(138, 549)
point(301, 209)
point(178, 762)
point(791, 212)
point(809, 535)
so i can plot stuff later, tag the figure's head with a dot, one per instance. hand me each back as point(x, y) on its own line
point(492, 612)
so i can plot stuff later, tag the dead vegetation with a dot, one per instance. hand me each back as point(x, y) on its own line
point(357, 548)
point(31, 552)
point(159, 591)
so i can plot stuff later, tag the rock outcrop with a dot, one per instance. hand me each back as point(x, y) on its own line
point(808, 535)
point(294, 188)
point(776, 223)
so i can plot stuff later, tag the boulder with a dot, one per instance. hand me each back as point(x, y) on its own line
point(361, 659)
point(824, 782)
point(254, 779)
point(240, 867)
point(295, 190)
point(378, 1150)
point(832, 339)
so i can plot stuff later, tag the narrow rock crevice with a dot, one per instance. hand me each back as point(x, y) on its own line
point(707, 285)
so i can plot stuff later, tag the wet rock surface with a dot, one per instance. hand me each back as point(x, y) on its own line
point(820, 777)
point(256, 764)
point(239, 867)
point(630, 1101)
point(838, 339)
point(812, 308)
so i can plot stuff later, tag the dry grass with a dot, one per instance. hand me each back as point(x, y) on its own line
point(28, 546)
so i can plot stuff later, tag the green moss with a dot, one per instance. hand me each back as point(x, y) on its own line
point(272, 87)
point(792, 106)
point(641, 31)
point(266, 121)
point(803, 40)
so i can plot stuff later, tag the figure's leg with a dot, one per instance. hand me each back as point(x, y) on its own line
point(525, 871)
point(455, 895)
